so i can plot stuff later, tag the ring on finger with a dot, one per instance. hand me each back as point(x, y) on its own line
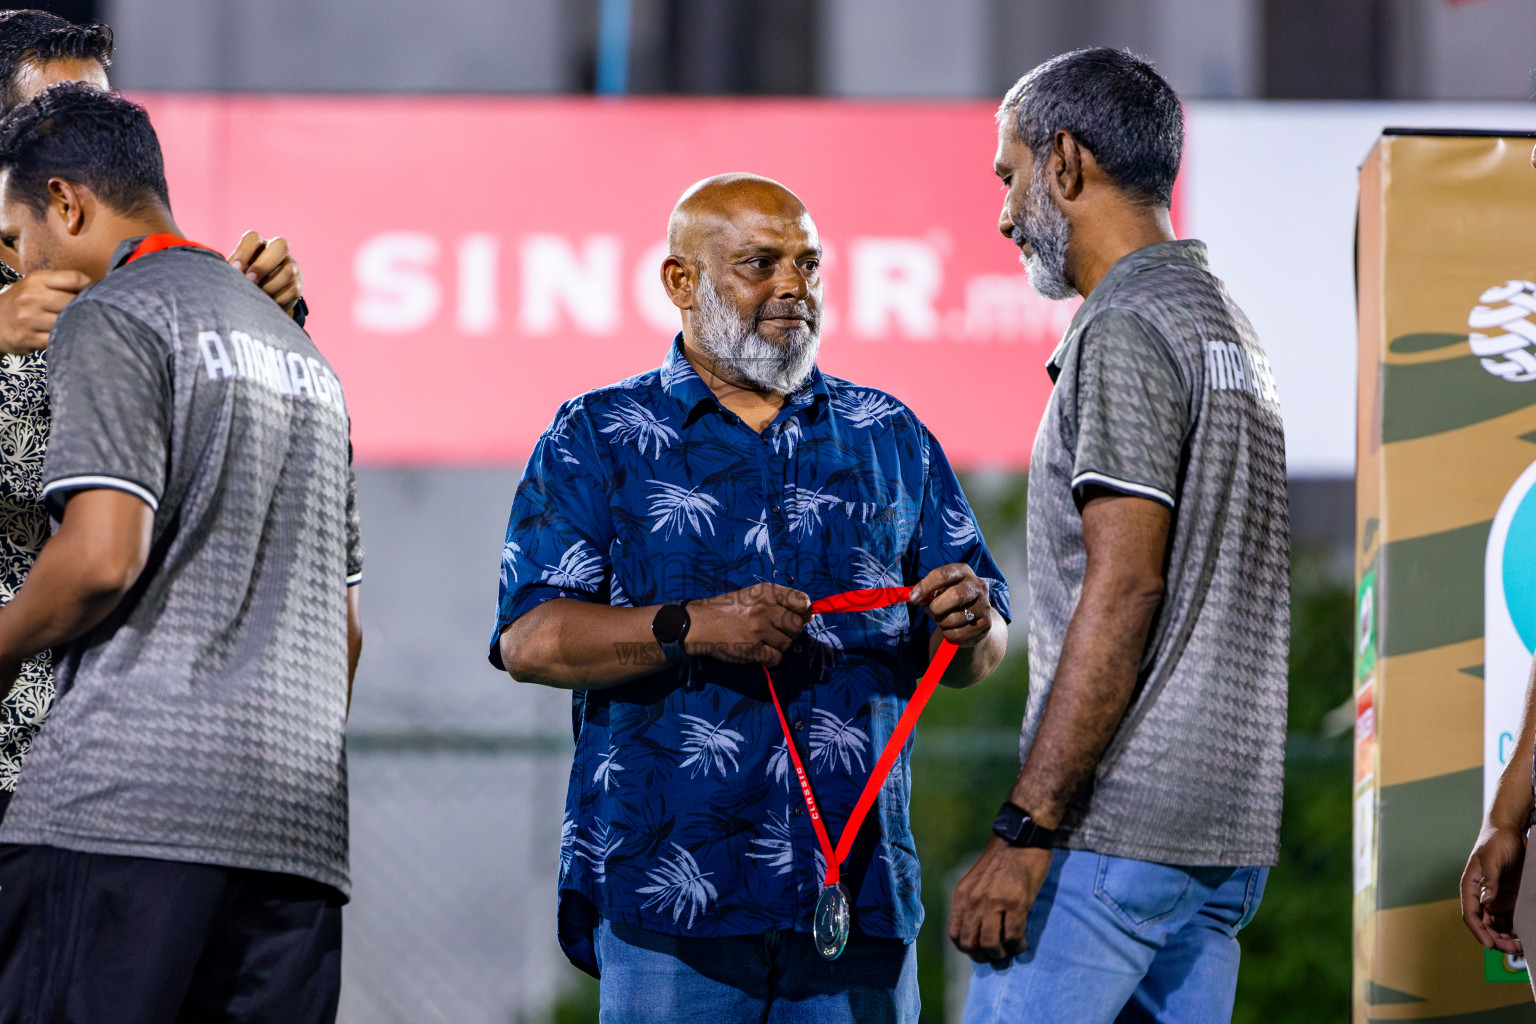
point(970, 616)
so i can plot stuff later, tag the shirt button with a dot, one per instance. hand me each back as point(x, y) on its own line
point(799, 725)
point(791, 578)
point(798, 812)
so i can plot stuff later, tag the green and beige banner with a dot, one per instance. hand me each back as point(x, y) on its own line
point(1446, 555)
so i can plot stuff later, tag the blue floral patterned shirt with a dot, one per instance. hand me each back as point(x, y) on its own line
point(682, 815)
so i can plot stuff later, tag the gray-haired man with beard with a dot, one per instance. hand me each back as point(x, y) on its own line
point(665, 546)
point(1135, 841)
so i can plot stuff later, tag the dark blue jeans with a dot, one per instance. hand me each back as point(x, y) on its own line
point(649, 978)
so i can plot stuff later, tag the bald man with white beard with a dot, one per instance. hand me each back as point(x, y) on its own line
point(665, 547)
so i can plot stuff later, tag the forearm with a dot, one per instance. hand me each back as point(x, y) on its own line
point(971, 665)
point(80, 576)
point(354, 635)
point(1095, 677)
point(577, 645)
point(57, 604)
point(1512, 800)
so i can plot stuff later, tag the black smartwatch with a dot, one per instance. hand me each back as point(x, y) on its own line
point(670, 627)
point(1016, 827)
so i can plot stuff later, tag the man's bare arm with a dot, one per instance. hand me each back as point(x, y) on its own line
point(80, 576)
point(973, 664)
point(354, 635)
point(578, 645)
point(1490, 883)
point(1126, 539)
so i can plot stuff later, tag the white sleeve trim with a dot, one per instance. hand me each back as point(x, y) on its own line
point(94, 482)
point(354, 579)
point(1128, 487)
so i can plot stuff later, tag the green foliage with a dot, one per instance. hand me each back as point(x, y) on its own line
point(1322, 623)
point(1297, 953)
point(579, 1003)
point(965, 760)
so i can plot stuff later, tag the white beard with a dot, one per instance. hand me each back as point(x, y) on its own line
point(741, 353)
point(1046, 230)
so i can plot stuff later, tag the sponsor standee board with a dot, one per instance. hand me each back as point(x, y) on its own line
point(1445, 557)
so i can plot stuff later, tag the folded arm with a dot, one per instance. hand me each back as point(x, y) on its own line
point(79, 578)
point(579, 645)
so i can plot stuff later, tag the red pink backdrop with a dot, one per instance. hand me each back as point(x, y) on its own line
point(471, 263)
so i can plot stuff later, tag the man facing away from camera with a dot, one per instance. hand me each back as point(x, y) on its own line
point(177, 849)
point(1136, 839)
point(38, 49)
point(665, 545)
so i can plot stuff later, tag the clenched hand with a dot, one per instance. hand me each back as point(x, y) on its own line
point(269, 263)
point(992, 901)
point(1489, 886)
point(29, 307)
point(752, 626)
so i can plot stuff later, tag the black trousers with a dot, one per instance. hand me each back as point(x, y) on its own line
point(91, 938)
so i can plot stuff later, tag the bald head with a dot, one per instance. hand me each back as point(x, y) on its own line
point(744, 267)
point(718, 207)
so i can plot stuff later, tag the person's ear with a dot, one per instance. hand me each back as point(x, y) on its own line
point(66, 200)
point(1068, 158)
point(679, 276)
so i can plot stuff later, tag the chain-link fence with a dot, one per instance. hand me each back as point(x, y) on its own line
point(457, 774)
point(455, 841)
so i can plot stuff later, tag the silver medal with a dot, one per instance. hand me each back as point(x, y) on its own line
point(832, 921)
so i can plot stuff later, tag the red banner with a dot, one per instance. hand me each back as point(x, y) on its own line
point(471, 263)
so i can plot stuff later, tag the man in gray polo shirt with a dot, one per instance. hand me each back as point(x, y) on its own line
point(177, 846)
point(39, 49)
point(1137, 836)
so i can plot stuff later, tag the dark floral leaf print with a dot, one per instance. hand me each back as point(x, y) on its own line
point(746, 706)
point(731, 472)
point(653, 836)
point(24, 430)
point(725, 824)
point(540, 520)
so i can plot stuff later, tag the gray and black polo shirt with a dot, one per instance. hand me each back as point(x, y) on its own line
point(203, 720)
point(1163, 391)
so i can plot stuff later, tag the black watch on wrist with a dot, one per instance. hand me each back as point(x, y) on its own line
point(670, 628)
point(1017, 827)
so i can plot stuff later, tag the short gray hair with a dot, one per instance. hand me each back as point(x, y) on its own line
point(1115, 105)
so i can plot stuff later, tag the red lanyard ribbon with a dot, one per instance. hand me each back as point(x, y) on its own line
point(861, 601)
point(164, 240)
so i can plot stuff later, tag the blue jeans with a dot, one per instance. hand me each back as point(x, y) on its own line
point(649, 977)
point(1117, 940)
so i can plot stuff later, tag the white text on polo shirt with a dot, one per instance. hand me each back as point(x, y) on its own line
point(287, 373)
point(1230, 367)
